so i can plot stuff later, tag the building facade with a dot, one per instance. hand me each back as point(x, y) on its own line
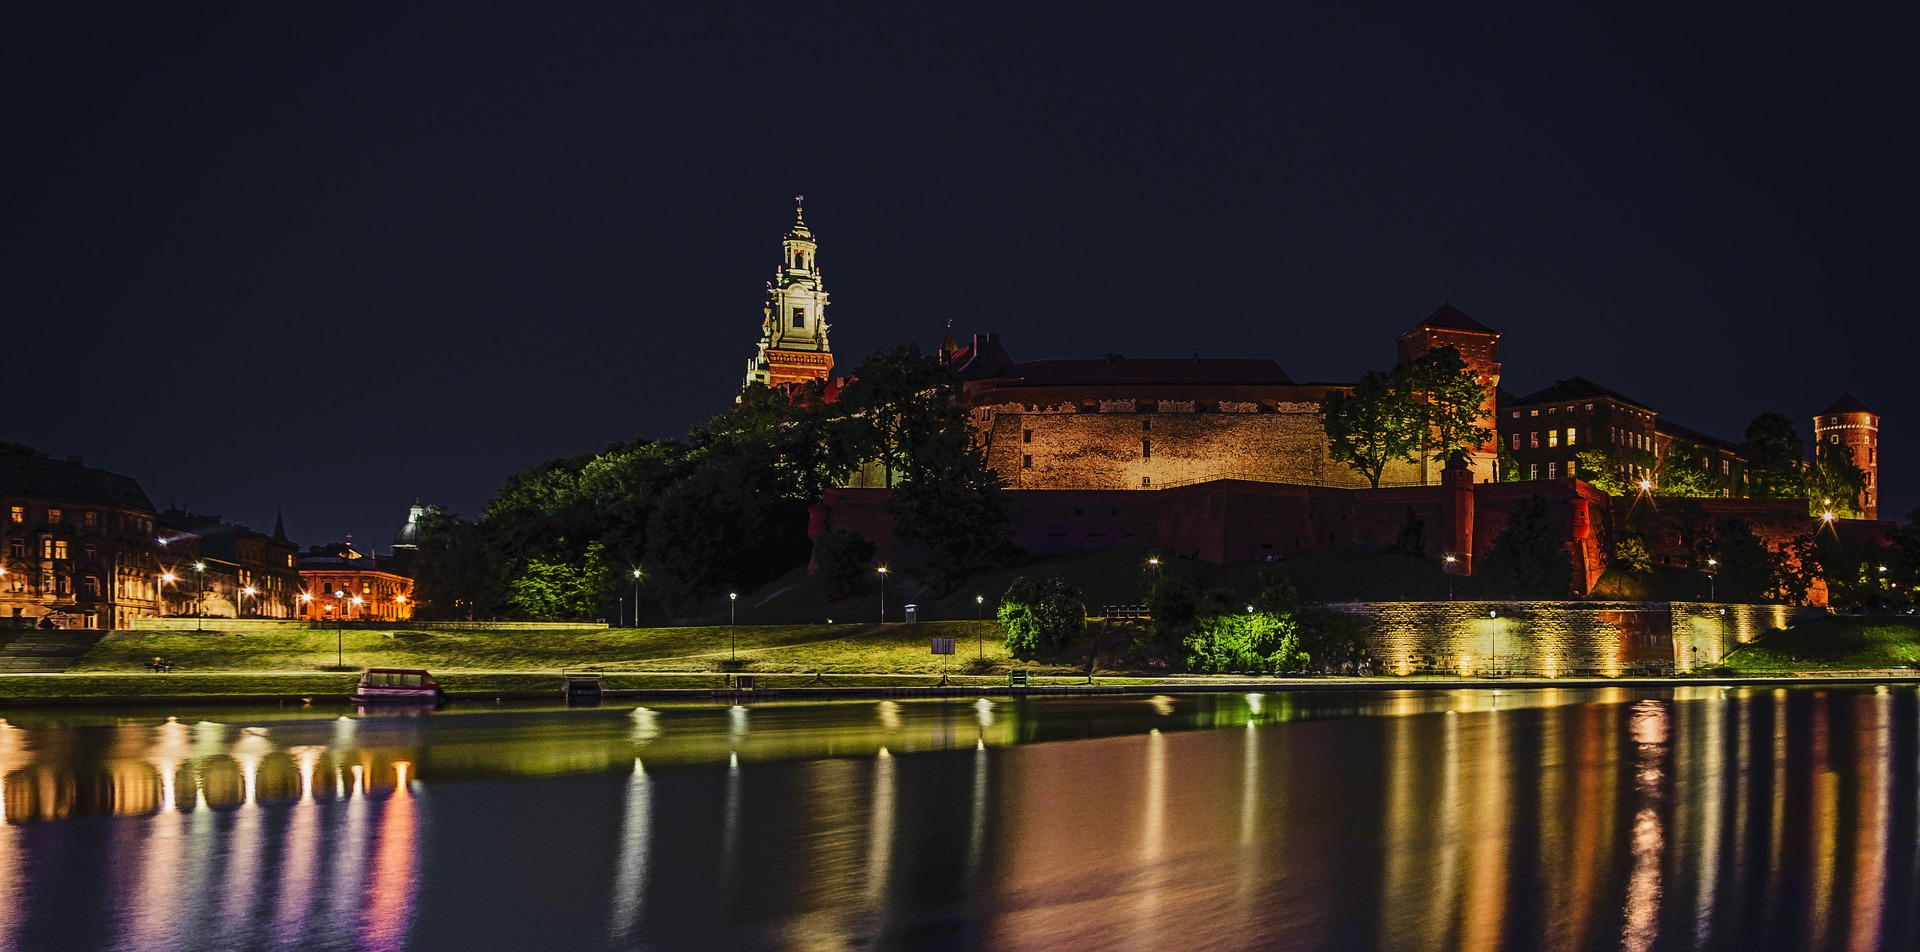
point(1848, 427)
point(793, 326)
point(339, 583)
point(1479, 347)
point(227, 570)
point(77, 544)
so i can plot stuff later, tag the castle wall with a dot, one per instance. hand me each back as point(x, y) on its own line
point(1114, 445)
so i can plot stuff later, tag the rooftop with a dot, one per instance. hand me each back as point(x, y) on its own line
point(26, 473)
point(1576, 388)
point(1848, 403)
point(1451, 318)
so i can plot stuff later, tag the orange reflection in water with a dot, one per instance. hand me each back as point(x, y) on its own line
point(390, 887)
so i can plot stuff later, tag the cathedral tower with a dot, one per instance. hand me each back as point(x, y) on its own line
point(1849, 427)
point(793, 327)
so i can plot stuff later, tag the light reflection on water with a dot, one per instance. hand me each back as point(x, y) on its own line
point(1693, 817)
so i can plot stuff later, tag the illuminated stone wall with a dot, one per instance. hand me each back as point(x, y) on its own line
point(1114, 445)
point(1555, 639)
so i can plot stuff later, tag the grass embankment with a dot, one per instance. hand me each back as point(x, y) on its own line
point(1834, 643)
point(835, 652)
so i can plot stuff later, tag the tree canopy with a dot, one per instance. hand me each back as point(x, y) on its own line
point(1434, 402)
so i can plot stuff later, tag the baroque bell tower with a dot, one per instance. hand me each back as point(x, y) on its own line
point(793, 327)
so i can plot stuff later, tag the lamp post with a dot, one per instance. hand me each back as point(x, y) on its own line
point(160, 591)
point(306, 601)
point(200, 603)
point(239, 607)
point(1713, 566)
point(636, 598)
point(399, 606)
point(980, 634)
point(1449, 570)
point(883, 594)
point(1493, 614)
point(340, 630)
point(733, 600)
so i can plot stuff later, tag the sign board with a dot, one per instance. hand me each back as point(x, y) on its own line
point(943, 646)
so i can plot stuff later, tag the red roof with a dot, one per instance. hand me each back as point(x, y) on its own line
point(1452, 318)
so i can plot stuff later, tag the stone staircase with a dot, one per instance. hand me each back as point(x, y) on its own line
point(46, 650)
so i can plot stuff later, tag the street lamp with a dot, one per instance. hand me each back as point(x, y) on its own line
point(1449, 570)
point(160, 591)
point(636, 598)
point(306, 599)
point(239, 607)
point(340, 630)
point(200, 604)
point(1712, 566)
point(979, 631)
point(733, 600)
point(883, 594)
point(399, 605)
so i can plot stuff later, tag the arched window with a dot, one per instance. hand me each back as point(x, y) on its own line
point(799, 259)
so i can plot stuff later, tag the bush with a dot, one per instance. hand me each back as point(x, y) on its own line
point(1254, 641)
point(845, 561)
point(1041, 618)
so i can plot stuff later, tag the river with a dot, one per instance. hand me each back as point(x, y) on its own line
point(1609, 818)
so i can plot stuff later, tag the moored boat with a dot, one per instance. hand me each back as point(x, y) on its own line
point(397, 684)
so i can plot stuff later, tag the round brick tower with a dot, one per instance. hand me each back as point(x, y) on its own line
point(1848, 425)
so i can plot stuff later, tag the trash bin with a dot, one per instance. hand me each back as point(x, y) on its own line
point(913, 613)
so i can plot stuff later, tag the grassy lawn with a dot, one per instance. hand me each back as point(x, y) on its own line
point(1839, 642)
point(762, 649)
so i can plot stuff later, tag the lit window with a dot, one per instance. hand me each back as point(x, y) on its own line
point(1533, 413)
point(1533, 471)
point(1726, 467)
point(17, 547)
point(1533, 440)
point(1516, 441)
point(1516, 414)
point(1552, 410)
point(1831, 439)
point(1553, 470)
point(1553, 437)
point(53, 515)
point(91, 586)
point(1569, 436)
point(46, 548)
point(17, 514)
point(1589, 408)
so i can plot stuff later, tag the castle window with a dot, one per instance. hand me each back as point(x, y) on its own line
point(1026, 462)
point(1146, 449)
point(1026, 436)
point(1831, 439)
point(1146, 481)
point(799, 317)
point(799, 260)
point(1146, 425)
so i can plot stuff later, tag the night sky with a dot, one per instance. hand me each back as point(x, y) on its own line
point(346, 258)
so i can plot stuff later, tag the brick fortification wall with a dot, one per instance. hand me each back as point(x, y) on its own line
point(1236, 521)
point(1113, 444)
point(1555, 639)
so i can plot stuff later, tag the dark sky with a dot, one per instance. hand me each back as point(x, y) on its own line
point(351, 256)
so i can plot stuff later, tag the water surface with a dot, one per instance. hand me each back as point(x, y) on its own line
point(1678, 818)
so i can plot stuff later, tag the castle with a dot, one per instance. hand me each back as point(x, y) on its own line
point(1228, 458)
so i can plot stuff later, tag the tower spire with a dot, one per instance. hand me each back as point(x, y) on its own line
point(793, 343)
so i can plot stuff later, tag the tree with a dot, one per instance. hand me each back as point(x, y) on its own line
point(1688, 472)
point(1602, 470)
point(1449, 401)
point(551, 591)
point(1835, 483)
point(1041, 618)
point(1529, 559)
point(946, 499)
point(1371, 426)
point(1775, 458)
point(454, 575)
point(845, 561)
point(1748, 571)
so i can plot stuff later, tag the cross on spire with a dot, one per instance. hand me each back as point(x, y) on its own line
point(799, 203)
